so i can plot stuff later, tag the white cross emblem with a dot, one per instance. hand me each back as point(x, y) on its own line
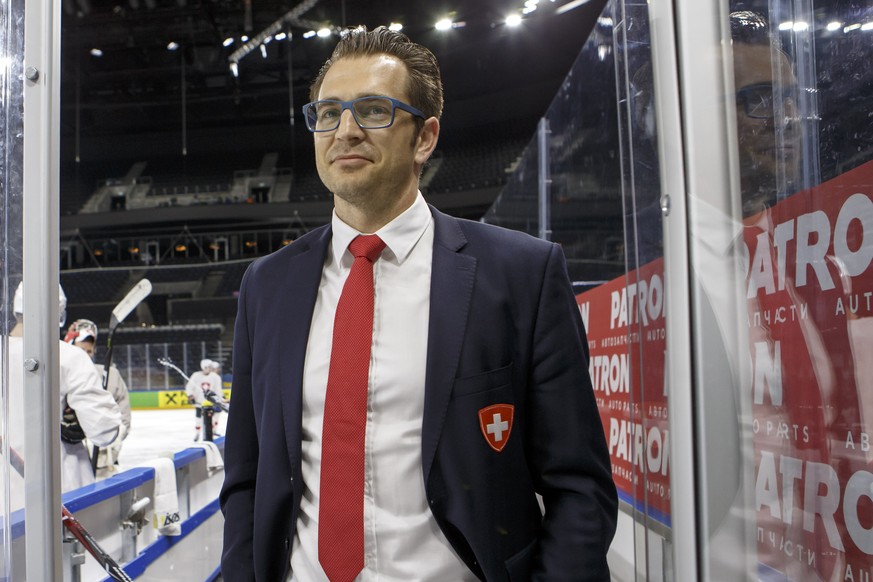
point(497, 427)
point(495, 422)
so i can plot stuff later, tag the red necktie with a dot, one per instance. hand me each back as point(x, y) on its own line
point(341, 502)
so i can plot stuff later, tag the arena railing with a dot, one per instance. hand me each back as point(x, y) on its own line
point(136, 539)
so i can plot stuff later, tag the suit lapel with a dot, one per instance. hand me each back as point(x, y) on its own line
point(451, 289)
point(299, 286)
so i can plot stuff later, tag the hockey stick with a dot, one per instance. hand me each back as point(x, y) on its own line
point(216, 400)
point(119, 313)
point(133, 298)
point(87, 540)
point(75, 527)
point(168, 363)
point(210, 395)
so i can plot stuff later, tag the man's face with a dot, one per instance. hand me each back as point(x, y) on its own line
point(368, 168)
point(86, 345)
point(769, 140)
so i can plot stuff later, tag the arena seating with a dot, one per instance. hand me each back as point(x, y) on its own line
point(480, 165)
point(193, 289)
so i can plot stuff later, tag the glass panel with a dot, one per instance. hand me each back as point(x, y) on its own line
point(516, 207)
point(643, 291)
point(800, 240)
point(12, 558)
point(603, 209)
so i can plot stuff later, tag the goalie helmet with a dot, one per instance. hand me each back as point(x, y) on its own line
point(18, 303)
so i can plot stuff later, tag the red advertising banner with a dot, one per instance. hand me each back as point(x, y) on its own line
point(626, 339)
point(809, 297)
point(809, 291)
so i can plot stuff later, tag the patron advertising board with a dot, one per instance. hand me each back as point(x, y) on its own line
point(626, 340)
point(808, 298)
point(809, 291)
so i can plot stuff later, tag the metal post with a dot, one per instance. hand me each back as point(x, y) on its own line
point(43, 536)
point(291, 98)
point(129, 367)
point(184, 105)
point(148, 368)
point(166, 369)
point(208, 413)
point(545, 180)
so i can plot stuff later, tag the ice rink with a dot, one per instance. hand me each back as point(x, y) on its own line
point(157, 433)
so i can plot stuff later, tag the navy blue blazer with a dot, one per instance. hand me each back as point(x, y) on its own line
point(504, 329)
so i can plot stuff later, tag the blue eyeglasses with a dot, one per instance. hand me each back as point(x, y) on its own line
point(759, 100)
point(373, 112)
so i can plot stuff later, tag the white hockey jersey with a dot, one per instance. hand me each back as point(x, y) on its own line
point(200, 382)
point(82, 389)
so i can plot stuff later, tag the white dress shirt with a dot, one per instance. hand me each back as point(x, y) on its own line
point(402, 541)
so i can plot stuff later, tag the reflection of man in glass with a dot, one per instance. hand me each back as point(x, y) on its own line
point(803, 385)
point(767, 126)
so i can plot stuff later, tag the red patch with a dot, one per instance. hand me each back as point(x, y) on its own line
point(496, 424)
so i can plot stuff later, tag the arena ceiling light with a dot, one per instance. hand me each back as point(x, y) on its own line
point(292, 17)
point(172, 46)
point(228, 41)
point(395, 26)
point(280, 25)
point(513, 20)
point(570, 6)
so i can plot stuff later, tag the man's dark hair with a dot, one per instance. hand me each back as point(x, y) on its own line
point(425, 86)
point(749, 27)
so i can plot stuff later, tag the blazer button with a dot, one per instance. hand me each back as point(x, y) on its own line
point(287, 543)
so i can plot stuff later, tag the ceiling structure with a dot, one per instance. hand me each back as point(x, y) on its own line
point(127, 95)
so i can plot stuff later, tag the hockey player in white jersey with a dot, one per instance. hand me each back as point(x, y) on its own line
point(82, 333)
point(87, 411)
point(200, 385)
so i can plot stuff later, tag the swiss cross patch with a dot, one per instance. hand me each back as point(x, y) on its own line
point(496, 424)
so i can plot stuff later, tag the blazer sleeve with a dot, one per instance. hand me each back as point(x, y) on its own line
point(240, 456)
point(567, 446)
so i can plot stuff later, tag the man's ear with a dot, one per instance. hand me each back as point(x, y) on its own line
point(426, 141)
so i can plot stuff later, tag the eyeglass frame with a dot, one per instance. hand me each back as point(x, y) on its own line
point(744, 92)
point(349, 105)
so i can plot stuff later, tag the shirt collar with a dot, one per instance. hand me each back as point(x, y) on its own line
point(399, 235)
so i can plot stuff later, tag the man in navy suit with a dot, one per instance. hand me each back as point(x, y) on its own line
point(477, 395)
